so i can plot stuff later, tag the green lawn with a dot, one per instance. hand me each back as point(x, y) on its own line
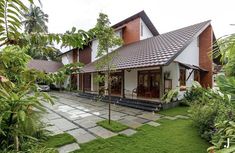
point(180, 110)
point(59, 140)
point(178, 136)
point(113, 126)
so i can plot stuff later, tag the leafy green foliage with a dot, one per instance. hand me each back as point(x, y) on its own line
point(191, 95)
point(19, 114)
point(225, 129)
point(107, 40)
point(227, 85)
point(64, 72)
point(226, 51)
point(113, 126)
point(20, 102)
point(209, 108)
point(11, 12)
point(171, 95)
point(35, 20)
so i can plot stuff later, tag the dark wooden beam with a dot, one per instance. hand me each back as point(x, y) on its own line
point(123, 84)
point(190, 74)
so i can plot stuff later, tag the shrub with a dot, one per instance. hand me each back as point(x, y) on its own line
point(209, 107)
point(192, 94)
point(171, 95)
point(225, 129)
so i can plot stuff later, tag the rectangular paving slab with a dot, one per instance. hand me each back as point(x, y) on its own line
point(150, 116)
point(81, 135)
point(102, 132)
point(63, 124)
point(130, 123)
point(68, 148)
point(128, 132)
point(155, 124)
point(54, 130)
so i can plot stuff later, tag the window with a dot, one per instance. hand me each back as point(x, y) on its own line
point(196, 75)
point(141, 29)
point(182, 77)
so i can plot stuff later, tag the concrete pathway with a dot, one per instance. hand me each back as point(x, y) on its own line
point(78, 117)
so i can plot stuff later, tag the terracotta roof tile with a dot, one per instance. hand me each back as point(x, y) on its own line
point(154, 51)
point(45, 66)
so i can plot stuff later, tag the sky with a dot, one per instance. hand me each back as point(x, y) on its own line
point(166, 15)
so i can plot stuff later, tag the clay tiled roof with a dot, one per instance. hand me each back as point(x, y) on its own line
point(154, 51)
point(44, 66)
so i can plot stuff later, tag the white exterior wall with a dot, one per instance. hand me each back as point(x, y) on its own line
point(131, 81)
point(173, 68)
point(67, 58)
point(146, 32)
point(94, 46)
point(190, 55)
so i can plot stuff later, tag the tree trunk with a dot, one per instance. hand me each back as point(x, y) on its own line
point(109, 96)
point(16, 140)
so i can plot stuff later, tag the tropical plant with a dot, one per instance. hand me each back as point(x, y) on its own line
point(191, 95)
point(171, 95)
point(225, 131)
point(65, 72)
point(225, 50)
point(19, 114)
point(35, 20)
point(224, 128)
point(227, 85)
point(20, 102)
point(106, 41)
point(11, 16)
point(210, 107)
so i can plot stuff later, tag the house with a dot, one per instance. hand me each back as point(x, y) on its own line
point(149, 64)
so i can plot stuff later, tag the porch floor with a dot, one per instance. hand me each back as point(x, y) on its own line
point(139, 103)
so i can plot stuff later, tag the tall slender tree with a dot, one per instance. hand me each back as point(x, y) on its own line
point(107, 40)
point(35, 20)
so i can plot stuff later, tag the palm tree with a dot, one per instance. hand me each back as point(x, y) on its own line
point(35, 20)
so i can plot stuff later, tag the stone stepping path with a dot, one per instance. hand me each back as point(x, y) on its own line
point(128, 132)
point(155, 124)
point(81, 135)
point(102, 132)
point(78, 117)
point(68, 148)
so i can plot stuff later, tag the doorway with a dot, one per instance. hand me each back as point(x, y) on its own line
point(149, 83)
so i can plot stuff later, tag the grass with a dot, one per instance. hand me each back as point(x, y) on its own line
point(59, 140)
point(178, 136)
point(113, 126)
point(180, 110)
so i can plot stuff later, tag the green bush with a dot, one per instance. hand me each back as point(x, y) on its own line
point(209, 107)
point(224, 130)
point(191, 95)
point(171, 95)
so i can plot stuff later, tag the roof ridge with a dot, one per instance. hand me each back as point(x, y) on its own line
point(207, 21)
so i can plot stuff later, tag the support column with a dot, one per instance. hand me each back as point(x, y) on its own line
point(123, 84)
point(161, 83)
point(83, 89)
